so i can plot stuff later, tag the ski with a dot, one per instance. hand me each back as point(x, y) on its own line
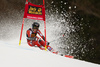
point(68, 56)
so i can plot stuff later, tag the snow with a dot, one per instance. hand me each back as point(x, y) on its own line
point(12, 55)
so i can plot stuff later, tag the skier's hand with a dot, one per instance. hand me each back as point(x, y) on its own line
point(48, 43)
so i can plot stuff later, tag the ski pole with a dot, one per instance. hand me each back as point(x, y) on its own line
point(56, 39)
point(59, 37)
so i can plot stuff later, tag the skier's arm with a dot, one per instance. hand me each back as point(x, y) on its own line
point(41, 35)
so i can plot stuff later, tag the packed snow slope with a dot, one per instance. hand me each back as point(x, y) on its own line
point(20, 56)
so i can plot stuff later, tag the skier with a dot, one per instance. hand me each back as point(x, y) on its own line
point(34, 40)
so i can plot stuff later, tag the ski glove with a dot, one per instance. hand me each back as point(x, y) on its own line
point(48, 43)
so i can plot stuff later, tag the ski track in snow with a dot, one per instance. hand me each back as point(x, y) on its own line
point(24, 56)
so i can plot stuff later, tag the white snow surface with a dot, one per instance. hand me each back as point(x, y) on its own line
point(12, 55)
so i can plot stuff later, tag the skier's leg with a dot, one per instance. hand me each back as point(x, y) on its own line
point(41, 42)
point(35, 43)
point(52, 50)
point(39, 45)
point(29, 43)
point(49, 48)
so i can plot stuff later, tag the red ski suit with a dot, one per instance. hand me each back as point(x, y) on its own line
point(33, 40)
